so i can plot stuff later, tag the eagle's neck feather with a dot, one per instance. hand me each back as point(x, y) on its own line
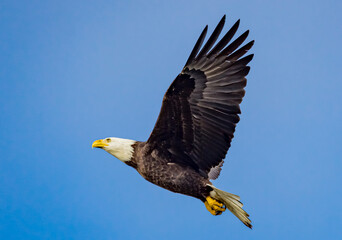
point(122, 149)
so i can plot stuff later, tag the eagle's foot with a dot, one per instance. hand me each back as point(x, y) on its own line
point(214, 207)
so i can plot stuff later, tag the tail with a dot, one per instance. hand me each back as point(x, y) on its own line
point(232, 202)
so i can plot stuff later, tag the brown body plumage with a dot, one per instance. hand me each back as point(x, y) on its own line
point(158, 168)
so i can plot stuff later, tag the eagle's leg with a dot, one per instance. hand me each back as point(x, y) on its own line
point(214, 207)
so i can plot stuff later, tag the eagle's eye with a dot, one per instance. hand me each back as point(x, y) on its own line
point(108, 139)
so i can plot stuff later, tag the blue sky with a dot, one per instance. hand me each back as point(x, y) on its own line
point(73, 72)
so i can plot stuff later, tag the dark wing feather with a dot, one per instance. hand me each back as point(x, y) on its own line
point(200, 109)
point(197, 45)
point(211, 41)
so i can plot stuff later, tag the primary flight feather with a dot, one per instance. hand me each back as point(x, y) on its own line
point(196, 124)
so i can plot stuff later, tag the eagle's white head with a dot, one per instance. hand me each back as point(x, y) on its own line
point(120, 148)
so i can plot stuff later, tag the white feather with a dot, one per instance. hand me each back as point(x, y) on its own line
point(120, 148)
point(232, 202)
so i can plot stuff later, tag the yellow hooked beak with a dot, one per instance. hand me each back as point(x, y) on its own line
point(99, 143)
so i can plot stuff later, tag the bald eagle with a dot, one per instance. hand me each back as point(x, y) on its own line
point(196, 124)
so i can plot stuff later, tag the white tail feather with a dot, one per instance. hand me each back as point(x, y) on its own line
point(232, 202)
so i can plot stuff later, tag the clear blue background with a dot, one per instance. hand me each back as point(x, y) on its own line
point(75, 71)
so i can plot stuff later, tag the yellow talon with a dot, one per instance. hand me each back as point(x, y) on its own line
point(212, 211)
point(212, 201)
point(214, 207)
point(217, 208)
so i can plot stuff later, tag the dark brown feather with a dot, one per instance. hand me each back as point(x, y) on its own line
point(200, 109)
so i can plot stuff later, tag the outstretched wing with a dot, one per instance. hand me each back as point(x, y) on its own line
point(200, 109)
